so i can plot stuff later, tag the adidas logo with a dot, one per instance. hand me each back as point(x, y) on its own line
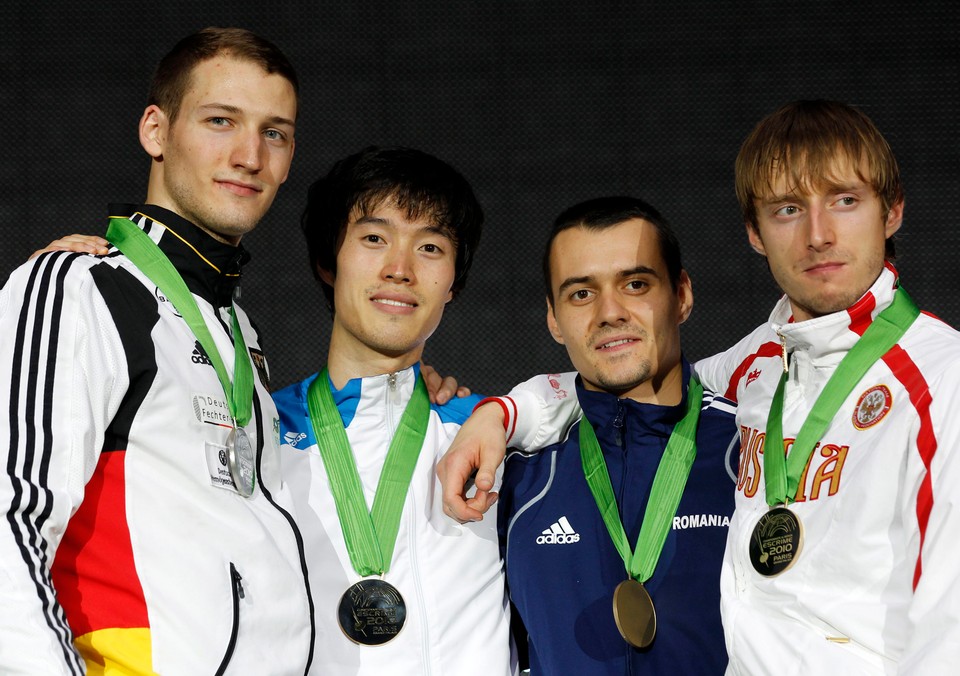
point(199, 356)
point(294, 438)
point(560, 533)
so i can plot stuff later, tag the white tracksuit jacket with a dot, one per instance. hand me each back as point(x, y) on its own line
point(876, 588)
point(449, 575)
point(124, 540)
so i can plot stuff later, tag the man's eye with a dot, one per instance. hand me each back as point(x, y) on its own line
point(787, 211)
point(637, 284)
point(580, 294)
point(373, 239)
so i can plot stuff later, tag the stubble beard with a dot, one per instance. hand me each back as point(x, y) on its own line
point(223, 225)
point(621, 380)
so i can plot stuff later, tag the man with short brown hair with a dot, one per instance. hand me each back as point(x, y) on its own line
point(147, 529)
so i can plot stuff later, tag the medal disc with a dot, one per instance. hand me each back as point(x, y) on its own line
point(242, 461)
point(371, 612)
point(776, 542)
point(634, 614)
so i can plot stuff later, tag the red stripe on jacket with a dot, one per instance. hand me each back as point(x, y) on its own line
point(94, 572)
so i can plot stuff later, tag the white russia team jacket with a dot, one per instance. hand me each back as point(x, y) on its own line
point(876, 587)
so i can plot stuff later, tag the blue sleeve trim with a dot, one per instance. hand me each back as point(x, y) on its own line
point(295, 427)
point(458, 409)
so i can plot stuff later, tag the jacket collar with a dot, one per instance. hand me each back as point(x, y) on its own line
point(830, 337)
point(210, 268)
point(612, 416)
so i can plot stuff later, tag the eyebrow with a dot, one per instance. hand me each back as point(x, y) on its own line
point(227, 108)
point(586, 279)
point(430, 229)
point(829, 186)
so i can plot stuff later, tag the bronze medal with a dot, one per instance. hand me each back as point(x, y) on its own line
point(242, 461)
point(776, 542)
point(371, 612)
point(634, 613)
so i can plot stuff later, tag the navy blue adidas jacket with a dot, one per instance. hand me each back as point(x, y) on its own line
point(562, 566)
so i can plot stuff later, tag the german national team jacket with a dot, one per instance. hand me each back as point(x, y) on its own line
point(562, 566)
point(449, 574)
point(876, 586)
point(125, 545)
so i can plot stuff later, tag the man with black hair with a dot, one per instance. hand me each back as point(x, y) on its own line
point(629, 510)
point(398, 587)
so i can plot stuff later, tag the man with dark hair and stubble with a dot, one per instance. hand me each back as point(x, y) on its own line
point(613, 536)
point(147, 528)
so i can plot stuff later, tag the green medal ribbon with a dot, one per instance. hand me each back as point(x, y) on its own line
point(668, 485)
point(370, 536)
point(147, 256)
point(782, 472)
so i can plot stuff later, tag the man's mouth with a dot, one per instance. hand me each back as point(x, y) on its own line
point(616, 343)
point(240, 188)
point(396, 303)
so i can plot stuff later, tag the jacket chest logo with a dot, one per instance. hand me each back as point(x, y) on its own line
point(872, 407)
point(559, 533)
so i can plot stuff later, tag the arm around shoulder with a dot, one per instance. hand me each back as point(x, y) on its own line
point(534, 415)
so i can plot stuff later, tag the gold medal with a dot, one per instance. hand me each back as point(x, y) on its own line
point(776, 542)
point(634, 614)
point(371, 612)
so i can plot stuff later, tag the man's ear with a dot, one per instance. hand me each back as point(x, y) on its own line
point(552, 323)
point(894, 220)
point(753, 234)
point(685, 296)
point(153, 131)
point(326, 276)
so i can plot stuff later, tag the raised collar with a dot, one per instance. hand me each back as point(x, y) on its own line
point(828, 338)
point(210, 268)
point(612, 416)
point(384, 388)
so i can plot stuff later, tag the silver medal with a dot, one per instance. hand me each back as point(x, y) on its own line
point(242, 460)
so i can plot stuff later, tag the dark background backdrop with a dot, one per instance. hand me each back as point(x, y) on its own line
point(539, 104)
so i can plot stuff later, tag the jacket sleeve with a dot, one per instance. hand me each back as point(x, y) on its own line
point(58, 354)
point(723, 372)
point(538, 412)
point(933, 614)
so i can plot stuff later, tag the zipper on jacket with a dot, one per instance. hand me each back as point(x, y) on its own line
point(236, 583)
point(392, 385)
point(618, 424)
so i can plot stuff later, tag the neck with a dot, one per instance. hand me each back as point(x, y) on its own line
point(663, 389)
point(347, 360)
point(156, 198)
